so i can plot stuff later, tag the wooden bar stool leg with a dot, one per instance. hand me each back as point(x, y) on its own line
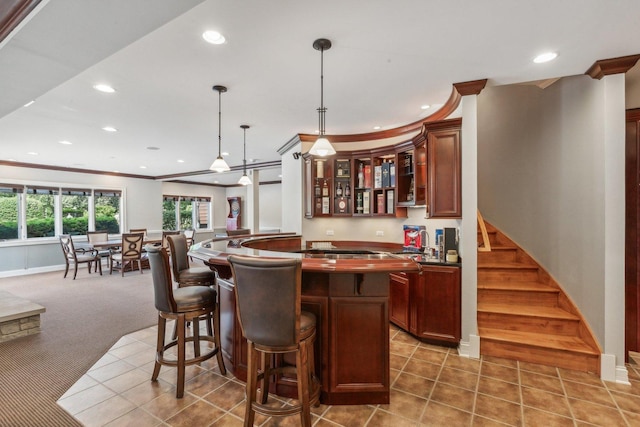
point(196, 337)
point(265, 366)
point(252, 382)
point(216, 337)
point(162, 324)
point(303, 383)
point(181, 355)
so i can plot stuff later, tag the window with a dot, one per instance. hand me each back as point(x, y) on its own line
point(75, 211)
point(9, 211)
point(41, 211)
point(107, 210)
point(29, 211)
point(185, 212)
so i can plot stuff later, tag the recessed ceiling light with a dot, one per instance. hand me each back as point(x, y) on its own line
point(180, 161)
point(213, 37)
point(215, 182)
point(425, 106)
point(109, 129)
point(11, 160)
point(153, 148)
point(29, 103)
point(545, 57)
point(224, 153)
point(143, 167)
point(32, 153)
point(376, 127)
point(104, 88)
point(65, 142)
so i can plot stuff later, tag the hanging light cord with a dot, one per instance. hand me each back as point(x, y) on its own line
point(321, 110)
point(244, 155)
point(219, 123)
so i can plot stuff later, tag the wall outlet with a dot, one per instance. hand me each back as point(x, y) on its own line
point(329, 232)
point(379, 233)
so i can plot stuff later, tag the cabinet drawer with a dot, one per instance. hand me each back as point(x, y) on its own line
point(359, 284)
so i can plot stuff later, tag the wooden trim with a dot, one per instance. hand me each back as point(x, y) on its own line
point(632, 210)
point(74, 170)
point(605, 67)
point(486, 244)
point(12, 12)
point(459, 90)
point(470, 88)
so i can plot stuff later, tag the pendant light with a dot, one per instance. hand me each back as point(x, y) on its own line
point(244, 179)
point(219, 165)
point(322, 147)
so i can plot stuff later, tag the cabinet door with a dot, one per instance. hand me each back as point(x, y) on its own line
point(399, 300)
point(437, 304)
point(359, 345)
point(445, 198)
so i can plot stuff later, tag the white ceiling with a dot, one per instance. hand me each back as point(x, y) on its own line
point(388, 58)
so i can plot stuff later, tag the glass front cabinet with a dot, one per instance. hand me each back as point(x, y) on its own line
point(384, 182)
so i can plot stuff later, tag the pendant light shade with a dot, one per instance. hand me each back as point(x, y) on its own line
point(322, 147)
point(244, 179)
point(219, 165)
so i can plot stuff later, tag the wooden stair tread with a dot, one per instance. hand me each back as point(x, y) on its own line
point(507, 265)
point(499, 247)
point(525, 310)
point(517, 286)
point(557, 342)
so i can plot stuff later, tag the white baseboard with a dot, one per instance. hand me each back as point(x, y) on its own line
point(471, 348)
point(609, 371)
point(36, 270)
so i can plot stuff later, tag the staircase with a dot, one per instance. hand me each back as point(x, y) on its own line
point(523, 313)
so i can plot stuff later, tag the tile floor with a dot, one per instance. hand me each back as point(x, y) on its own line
point(431, 386)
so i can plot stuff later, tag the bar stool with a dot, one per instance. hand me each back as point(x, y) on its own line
point(268, 293)
point(188, 304)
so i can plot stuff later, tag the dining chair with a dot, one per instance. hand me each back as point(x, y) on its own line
point(80, 256)
point(100, 236)
point(184, 305)
point(164, 242)
point(268, 304)
point(190, 235)
point(139, 230)
point(130, 253)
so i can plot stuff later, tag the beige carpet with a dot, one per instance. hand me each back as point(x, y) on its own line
point(84, 318)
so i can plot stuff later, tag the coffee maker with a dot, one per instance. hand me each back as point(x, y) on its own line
point(446, 241)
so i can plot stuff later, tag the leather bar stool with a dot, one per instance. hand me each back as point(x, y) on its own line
point(190, 276)
point(268, 294)
point(183, 273)
point(188, 304)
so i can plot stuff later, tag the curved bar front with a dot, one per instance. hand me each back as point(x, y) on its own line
point(348, 294)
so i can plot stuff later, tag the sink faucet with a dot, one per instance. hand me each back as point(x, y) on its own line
point(426, 238)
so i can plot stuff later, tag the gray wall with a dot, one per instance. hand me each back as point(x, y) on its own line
point(541, 180)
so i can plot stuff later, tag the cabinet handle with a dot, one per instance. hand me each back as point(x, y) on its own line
point(358, 284)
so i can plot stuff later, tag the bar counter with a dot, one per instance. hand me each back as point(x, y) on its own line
point(346, 288)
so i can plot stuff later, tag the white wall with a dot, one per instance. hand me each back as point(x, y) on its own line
point(541, 180)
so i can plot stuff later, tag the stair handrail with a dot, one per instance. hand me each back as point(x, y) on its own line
point(485, 246)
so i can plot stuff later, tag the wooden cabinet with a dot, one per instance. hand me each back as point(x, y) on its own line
point(435, 304)
point(399, 300)
point(444, 169)
point(427, 305)
point(318, 183)
point(359, 331)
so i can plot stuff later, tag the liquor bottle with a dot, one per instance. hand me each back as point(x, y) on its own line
point(339, 190)
point(359, 202)
point(361, 176)
point(316, 189)
point(347, 190)
point(325, 189)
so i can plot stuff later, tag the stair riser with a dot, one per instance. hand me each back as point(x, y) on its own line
point(507, 274)
point(516, 322)
point(500, 296)
point(508, 255)
point(543, 356)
